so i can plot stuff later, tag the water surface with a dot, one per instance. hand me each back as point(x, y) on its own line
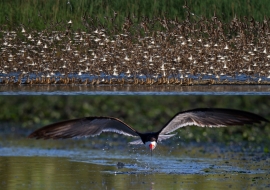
point(135, 90)
point(71, 164)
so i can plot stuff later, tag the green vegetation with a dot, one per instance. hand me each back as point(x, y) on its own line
point(142, 112)
point(39, 14)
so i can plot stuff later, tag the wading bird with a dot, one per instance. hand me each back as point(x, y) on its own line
point(92, 126)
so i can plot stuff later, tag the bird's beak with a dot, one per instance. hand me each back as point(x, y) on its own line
point(151, 146)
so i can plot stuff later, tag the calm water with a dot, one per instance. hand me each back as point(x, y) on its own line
point(74, 164)
point(135, 90)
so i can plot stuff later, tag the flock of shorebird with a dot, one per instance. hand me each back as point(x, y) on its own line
point(192, 51)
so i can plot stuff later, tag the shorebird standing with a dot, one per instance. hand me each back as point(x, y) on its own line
point(92, 126)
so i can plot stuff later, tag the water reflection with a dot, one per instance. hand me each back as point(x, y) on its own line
point(60, 173)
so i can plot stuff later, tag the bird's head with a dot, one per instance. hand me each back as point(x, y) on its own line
point(150, 141)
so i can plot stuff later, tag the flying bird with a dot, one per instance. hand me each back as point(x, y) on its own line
point(92, 126)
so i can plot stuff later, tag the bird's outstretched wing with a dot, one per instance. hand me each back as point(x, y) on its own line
point(210, 117)
point(88, 126)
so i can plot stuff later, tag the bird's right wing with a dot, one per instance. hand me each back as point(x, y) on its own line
point(164, 137)
point(83, 127)
point(210, 117)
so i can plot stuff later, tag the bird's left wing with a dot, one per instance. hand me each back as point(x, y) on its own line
point(210, 117)
point(88, 126)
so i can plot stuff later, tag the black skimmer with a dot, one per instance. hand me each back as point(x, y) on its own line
point(92, 126)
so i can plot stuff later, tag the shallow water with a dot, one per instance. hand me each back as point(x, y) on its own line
point(71, 164)
point(62, 173)
point(135, 90)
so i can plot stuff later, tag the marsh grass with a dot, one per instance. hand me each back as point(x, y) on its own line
point(39, 14)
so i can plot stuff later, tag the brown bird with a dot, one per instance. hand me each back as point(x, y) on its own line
point(92, 126)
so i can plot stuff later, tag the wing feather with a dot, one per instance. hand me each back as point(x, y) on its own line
point(88, 126)
point(138, 141)
point(210, 117)
point(165, 137)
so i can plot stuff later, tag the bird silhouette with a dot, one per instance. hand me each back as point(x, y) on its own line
point(93, 126)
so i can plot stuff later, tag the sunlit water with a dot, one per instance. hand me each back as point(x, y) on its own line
point(70, 164)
